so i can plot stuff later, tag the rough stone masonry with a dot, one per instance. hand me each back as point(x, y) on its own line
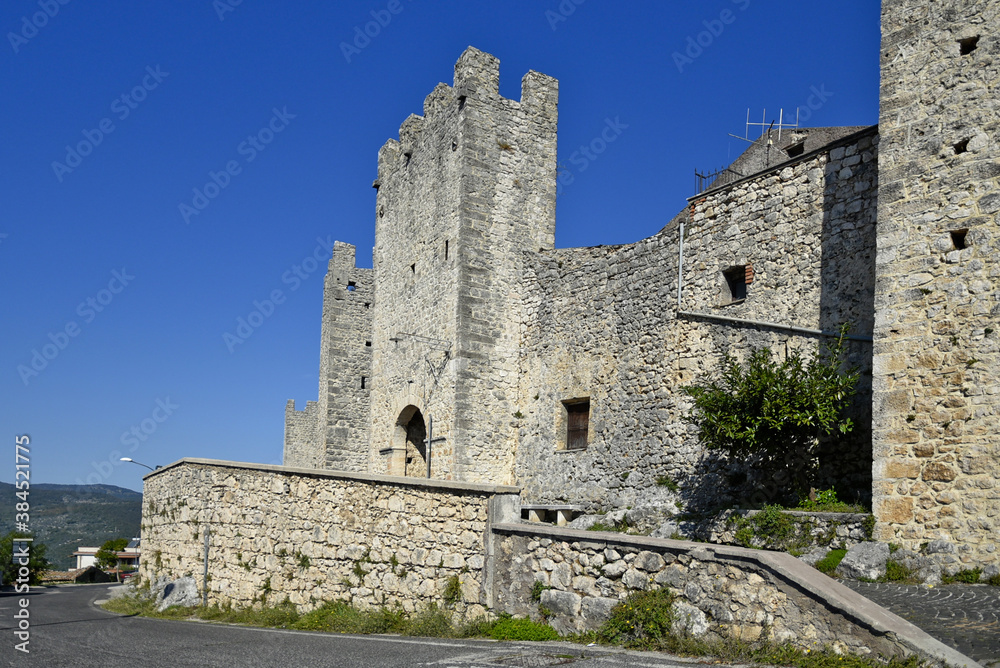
point(558, 370)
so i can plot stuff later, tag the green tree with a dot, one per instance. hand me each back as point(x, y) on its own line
point(773, 413)
point(107, 556)
point(37, 563)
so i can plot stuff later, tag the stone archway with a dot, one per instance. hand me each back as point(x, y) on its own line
point(409, 447)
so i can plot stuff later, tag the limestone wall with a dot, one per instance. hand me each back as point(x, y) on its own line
point(334, 432)
point(468, 187)
point(721, 591)
point(314, 536)
point(937, 351)
point(603, 323)
point(302, 436)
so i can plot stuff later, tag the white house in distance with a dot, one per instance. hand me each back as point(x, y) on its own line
point(127, 558)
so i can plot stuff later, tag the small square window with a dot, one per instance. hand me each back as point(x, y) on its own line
point(736, 283)
point(577, 423)
point(958, 239)
point(351, 286)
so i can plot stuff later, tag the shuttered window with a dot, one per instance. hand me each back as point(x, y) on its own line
point(577, 424)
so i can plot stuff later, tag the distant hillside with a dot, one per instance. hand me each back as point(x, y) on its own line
point(67, 516)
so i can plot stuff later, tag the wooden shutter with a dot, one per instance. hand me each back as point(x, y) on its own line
point(577, 425)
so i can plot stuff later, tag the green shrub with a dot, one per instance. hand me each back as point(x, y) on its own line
point(768, 528)
point(536, 590)
point(773, 412)
point(827, 502)
point(968, 576)
point(522, 629)
point(641, 620)
point(896, 572)
point(452, 591)
point(829, 563)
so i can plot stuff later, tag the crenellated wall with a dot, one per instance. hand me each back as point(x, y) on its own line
point(334, 431)
point(466, 189)
point(937, 337)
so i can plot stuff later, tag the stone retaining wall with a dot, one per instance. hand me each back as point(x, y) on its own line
point(721, 591)
point(830, 530)
point(314, 536)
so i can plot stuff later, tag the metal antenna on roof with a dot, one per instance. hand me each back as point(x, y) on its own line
point(764, 124)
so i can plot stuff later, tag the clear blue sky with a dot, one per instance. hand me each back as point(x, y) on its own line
point(97, 244)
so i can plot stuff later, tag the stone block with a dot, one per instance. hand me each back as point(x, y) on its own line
point(902, 469)
point(894, 510)
point(939, 472)
point(865, 560)
point(561, 602)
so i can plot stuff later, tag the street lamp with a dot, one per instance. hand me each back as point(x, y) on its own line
point(129, 459)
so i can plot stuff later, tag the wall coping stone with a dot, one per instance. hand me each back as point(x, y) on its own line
point(428, 483)
point(827, 591)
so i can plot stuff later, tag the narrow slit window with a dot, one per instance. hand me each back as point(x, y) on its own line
point(413, 268)
point(445, 249)
point(958, 238)
point(364, 381)
point(577, 423)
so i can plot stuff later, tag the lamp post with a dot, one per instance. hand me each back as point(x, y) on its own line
point(129, 459)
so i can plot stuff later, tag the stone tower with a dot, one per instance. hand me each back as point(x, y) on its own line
point(334, 431)
point(465, 192)
point(936, 360)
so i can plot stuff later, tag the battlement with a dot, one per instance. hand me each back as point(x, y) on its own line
point(476, 86)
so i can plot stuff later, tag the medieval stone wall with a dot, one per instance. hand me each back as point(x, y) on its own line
point(721, 592)
point(310, 536)
point(467, 188)
point(338, 424)
point(937, 352)
point(602, 323)
point(302, 436)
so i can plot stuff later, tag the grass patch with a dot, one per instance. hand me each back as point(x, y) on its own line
point(967, 576)
point(668, 482)
point(643, 621)
point(522, 629)
point(897, 572)
point(826, 501)
point(829, 563)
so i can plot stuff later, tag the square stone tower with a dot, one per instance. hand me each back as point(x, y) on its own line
point(465, 192)
point(936, 360)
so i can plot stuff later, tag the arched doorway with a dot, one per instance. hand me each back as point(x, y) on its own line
point(409, 444)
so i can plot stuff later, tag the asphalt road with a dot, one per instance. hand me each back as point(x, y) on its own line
point(67, 629)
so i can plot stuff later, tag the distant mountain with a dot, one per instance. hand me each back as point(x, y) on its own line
point(67, 516)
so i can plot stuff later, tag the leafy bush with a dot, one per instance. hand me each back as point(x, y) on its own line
point(768, 528)
point(509, 628)
point(774, 412)
point(641, 620)
point(829, 563)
